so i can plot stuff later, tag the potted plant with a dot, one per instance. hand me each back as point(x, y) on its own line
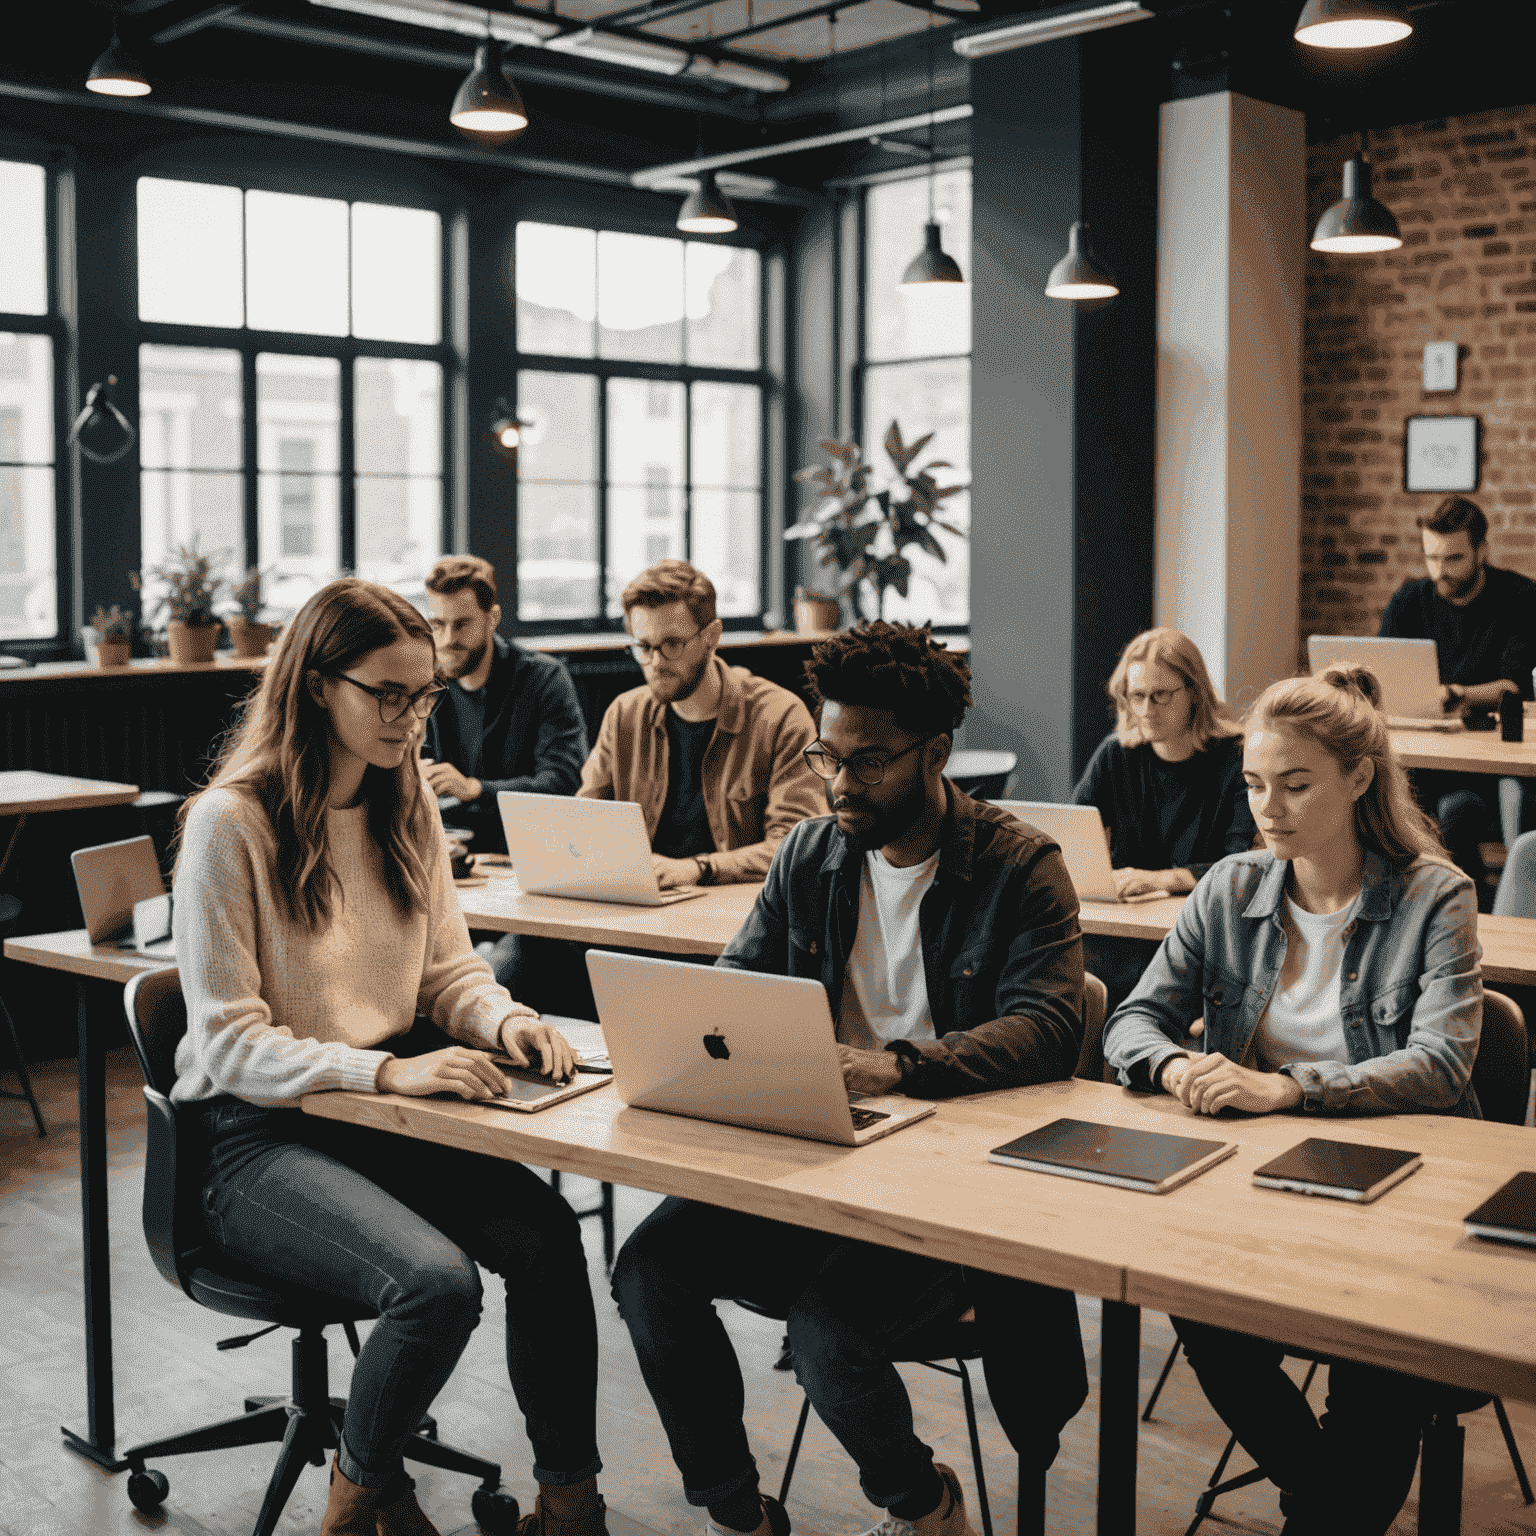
point(251, 637)
point(862, 531)
point(109, 637)
point(190, 588)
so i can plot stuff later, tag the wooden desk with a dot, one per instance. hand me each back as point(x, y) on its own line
point(1468, 751)
point(1393, 1284)
point(702, 926)
point(1131, 920)
point(24, 790)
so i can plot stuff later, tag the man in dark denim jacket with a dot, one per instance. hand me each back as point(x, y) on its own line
point(946, 936)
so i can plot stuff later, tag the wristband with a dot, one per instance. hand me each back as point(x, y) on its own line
point(908, 1057)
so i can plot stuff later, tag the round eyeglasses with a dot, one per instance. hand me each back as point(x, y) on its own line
point(393, 704)
point(672, 647)
point(867, 767)
point(1159, 696)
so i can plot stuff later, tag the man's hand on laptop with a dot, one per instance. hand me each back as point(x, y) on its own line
point(872, 1072)
point(671, 873)
point(524, 1038)
point(445, 779)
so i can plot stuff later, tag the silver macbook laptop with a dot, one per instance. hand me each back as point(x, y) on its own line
point(734, 1046)
point(594, 850)
point(1079, 832)
point(123, 898)
point(1408, 670)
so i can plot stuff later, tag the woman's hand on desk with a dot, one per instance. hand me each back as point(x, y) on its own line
point(1210, 1083)
point(469, 1073)
point(522, 1036)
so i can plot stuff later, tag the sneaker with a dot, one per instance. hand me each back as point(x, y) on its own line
point(775, 1522)
point(949, 1519)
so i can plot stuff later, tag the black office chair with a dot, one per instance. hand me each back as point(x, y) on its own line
point(1501, 1079)
point(308, 1423)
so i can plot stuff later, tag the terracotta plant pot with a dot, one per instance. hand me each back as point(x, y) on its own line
point(113, 653)
point(816, 615)
point(191, 643)
point(250, 639)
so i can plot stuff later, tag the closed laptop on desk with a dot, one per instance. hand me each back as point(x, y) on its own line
point(1150, 1161)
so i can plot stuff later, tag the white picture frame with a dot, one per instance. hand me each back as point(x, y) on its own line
point(1440, 453)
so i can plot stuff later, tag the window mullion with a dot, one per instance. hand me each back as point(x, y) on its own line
point(347, 466)
point(249, 452)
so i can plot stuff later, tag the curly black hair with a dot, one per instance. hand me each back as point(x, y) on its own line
point(895, 667)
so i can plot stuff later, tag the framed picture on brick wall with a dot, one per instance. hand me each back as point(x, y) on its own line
point(1440, 453)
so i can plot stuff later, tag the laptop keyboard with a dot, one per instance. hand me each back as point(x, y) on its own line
point(864, 1118)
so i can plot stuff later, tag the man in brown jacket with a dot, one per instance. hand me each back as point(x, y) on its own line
point(710, 753)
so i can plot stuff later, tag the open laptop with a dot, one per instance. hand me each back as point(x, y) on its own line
point(1408, 671)
point(1078, 830)
point(123, 898)
point(594, 850)
point(735, 1046)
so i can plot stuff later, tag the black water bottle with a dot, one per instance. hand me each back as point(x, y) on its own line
point(1511, 716)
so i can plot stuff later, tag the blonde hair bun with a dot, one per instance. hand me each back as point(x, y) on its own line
point(1353, 677)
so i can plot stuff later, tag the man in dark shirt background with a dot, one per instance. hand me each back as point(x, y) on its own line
point(1483, 622)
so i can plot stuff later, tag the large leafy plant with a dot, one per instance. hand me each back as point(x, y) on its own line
point(865, 531)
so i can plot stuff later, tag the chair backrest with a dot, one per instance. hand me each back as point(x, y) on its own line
point(1501, 1076)
point(1516, 896)
point(1090, 1060)
point(157, 1019)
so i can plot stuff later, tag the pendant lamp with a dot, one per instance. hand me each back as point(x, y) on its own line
point(707, 210)
point(488, 109)
point(118, 72)
point(1078, 275)
point(933, 269)
point(1352, 23)
point(1357, 223)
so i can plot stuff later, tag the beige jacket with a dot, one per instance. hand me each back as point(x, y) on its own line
point(756, 783)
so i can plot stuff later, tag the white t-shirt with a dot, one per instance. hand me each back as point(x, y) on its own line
point(1304, 1021)
point(885, 994)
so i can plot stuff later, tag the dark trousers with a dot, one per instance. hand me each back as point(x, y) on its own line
point(1346, 1473)
point(850, 1308)
point(1117, 962)
point(399, 1226)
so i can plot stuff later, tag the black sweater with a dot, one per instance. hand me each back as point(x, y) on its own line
point(1493, 637)
point(1169, 815)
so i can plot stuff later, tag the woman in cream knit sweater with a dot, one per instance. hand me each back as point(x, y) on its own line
point(314, 920)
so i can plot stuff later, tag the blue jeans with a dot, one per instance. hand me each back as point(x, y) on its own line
point(850, 1308)
point(399, 1226)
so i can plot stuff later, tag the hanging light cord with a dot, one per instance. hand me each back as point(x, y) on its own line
point(932, 161)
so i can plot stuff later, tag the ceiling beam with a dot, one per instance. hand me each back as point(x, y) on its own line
point(208, 17)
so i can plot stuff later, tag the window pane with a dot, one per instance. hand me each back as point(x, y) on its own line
point(399, 428)
point(190, 262)
point(925, 397)
point(296, 256)
point(397, 261)
point(727, 544)
point(557, 551)
point(399, 526)
point(724, 303)
point(727, 435)
point(556, 289)
point(645, 432)
point(297, 446)
point(560, 442)
point(24, 250)
point(645, 524)
point(189, 408)
point(26, 399)
point(178, 505)
point(298, 398)
point(937, 319)
point(28, 597)
point(640, 298)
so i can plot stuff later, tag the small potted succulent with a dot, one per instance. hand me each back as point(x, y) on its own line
point(250, 636)
point(190, 589)
point(110, 636)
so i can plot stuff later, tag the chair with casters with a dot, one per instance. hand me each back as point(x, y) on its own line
point(308, 1422)
point(1499, 1078)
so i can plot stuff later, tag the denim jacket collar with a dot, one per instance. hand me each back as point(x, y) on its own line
point(957, 842)
point(1378, 890)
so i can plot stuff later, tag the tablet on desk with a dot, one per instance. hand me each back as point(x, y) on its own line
point(528, 1090)
point(1340, 1170)
point(1509, 1214)
point(1150, 1161)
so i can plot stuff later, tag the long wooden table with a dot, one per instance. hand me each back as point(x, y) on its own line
point(1394, 1284)
point(1466, 751)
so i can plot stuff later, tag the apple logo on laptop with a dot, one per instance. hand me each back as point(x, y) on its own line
point(714, 1044)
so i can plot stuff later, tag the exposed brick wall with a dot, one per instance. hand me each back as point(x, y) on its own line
point(1464, 193)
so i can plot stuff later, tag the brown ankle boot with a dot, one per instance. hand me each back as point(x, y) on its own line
point(544, 1521)
point(402, 1516)
point(350, 1510)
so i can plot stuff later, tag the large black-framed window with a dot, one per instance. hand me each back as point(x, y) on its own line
point(294, 379)
point(33, 345)
point(914, 368)
point(643, 388)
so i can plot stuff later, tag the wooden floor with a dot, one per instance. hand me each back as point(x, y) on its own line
point(170, 1377)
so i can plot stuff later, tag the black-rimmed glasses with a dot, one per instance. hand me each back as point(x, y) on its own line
point(1161, 697)
point(393, 704)
point(867, 767)
point(672, 647)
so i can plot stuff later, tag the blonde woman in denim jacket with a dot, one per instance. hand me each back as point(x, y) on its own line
point(1335, 973)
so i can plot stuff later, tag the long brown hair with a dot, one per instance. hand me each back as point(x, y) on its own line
point(279, 753)
point(1209, 718)
point(1340, 709)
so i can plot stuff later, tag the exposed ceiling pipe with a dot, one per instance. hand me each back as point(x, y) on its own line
point(657, 173)
point(190, 24)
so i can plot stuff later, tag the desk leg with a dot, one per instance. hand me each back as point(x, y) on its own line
point(1119, 1369)
point(97, 1444)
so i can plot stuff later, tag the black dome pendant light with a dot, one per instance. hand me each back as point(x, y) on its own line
point(1078, 275)
point(1357, 223)
point(118, 72)
point(487, 108)
point(1352, 23)
point(933, 267)
point(706, 210)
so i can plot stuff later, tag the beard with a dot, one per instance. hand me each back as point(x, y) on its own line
point(462, 666)
point(1451, 591)
point(680, 685)
point(887, 824)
